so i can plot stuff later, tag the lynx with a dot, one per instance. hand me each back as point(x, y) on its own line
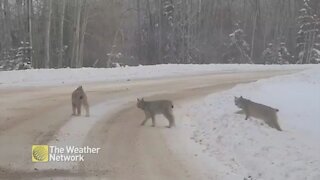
point(151, 108)
point(78, 99)
point(260, 111)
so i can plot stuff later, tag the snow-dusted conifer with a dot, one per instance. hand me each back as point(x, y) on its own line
point(308, 35)
point(238, 49)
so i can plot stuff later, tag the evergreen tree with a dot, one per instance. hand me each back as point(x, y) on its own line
point(308, 35)
point(238, 50)
point(17, 59)
point(268, 55)
point(284, 57)
point(275, 54)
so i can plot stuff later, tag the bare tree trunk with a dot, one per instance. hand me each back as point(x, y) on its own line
point(76, 39)
point(199, 19)
point(187, 35)
point(183, 33)
point(30, 15)
point(61, 39)
point(47, 36)
point(254, 28)
point(160, 33)
point(7, 26)
point(151, 58)
point(83, 32)
point(139, 30)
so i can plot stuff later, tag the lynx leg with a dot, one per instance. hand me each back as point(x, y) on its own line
point(170, 118)
point(73, 109)
point(240, 112)
point(79, 110)
point(270, 124)
point(86, 106)
point(275, 124)
point(145, 120)
point(173, 124)
point(247, 115)
point(153, 120)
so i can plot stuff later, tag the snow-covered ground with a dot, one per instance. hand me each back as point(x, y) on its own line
point(222, 143)
point(43, 77)
point(231, 148)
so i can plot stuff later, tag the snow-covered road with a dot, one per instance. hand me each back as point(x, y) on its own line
point(45, 77)
point(203, 145)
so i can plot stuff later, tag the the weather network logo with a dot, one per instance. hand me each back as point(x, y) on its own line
point(40, 153)
point(46, 153)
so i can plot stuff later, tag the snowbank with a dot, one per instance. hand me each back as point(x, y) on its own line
point(236, 148)
point(72, 76)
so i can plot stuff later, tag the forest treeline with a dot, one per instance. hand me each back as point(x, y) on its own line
point(102, 33)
